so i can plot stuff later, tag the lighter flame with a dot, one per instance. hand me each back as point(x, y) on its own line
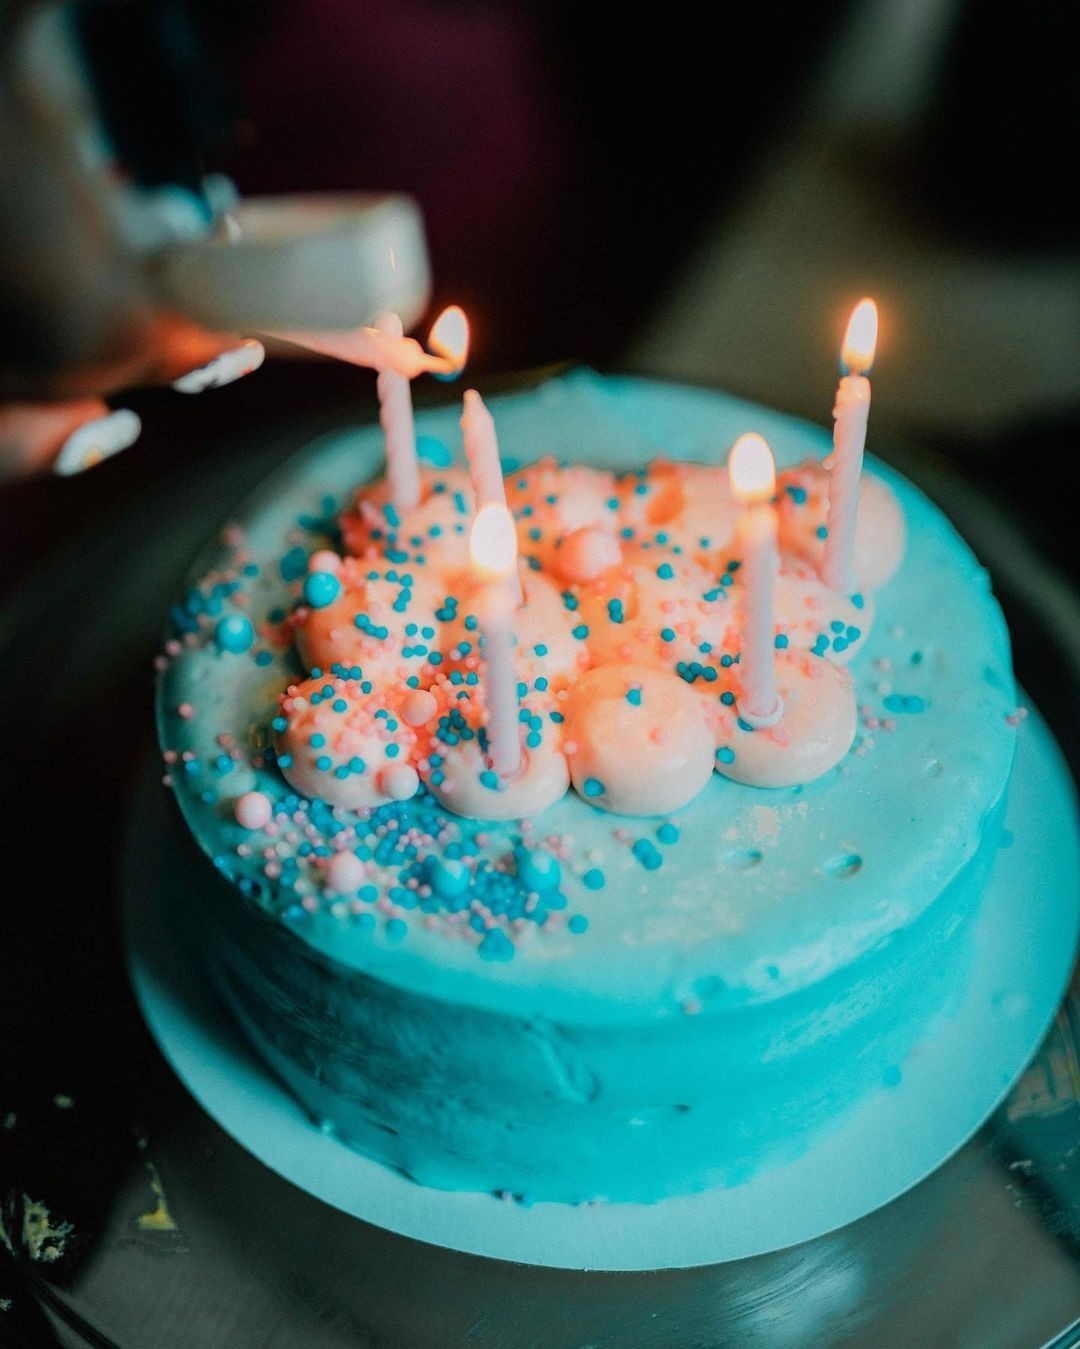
point(752, 471)
point(493, 541)
point(860, 339)
point(449, 336)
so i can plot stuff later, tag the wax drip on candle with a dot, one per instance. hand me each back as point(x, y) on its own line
point(396, 417)
point(380, 351)
point(493, 554)
point(753, 483)
point(851, 413)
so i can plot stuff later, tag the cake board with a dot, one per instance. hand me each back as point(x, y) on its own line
point(952, 1081)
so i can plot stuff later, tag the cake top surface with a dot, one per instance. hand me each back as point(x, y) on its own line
point(738, 895)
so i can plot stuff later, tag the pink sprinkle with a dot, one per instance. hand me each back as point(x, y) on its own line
point(254, 810)
point(344, 873)
point(325, 560)
point(185, 710)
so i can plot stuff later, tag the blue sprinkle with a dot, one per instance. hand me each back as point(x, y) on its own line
point(490, 779)
point(396, 928)
point(294, 564)
point(822, 532)
point(668, 833)
point(899, 702)
point(781, 641)
point(593, 787)
point(665, 570)
point(234, 633)
point(594, 879)
point(725, 754)
point(537, 870)
point(264, 658)
point(646, 853)
point(578, 923)
point(633, 697)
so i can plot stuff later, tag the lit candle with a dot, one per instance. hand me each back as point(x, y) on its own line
point(493, 553)
point(482, 455)
point(753, 483)
point(381, 351)
point(849, 441)
point(399, 435)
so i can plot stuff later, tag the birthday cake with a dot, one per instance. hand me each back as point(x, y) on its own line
point(677, 941)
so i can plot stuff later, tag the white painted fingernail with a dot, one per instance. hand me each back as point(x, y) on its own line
point(224, 369)
point(97, 440)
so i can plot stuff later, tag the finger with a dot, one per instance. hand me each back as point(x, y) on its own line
point(97, 440)
point(35, 435)
point(225, 368)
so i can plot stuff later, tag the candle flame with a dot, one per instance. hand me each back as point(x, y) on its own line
point(493, 540)
point(449, 336)
point(752, 471)
point(860, 339)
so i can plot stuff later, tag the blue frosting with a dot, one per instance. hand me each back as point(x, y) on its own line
point(674, 1007)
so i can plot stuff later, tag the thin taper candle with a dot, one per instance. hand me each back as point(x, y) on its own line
point(493, 555)
point(851, 413)
point(482, 456)
point(396, 417)
point(753, 483)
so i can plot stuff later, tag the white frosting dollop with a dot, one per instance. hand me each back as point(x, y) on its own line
point(380, 644)
point(816, 618)
point(543, 629)
point(689, 505)
point(814, 733)
point(880, 530)
point(338, 742)
point(637, 740)
point(437, 528)
point(549, 502)
point(655, 609)
point(465, 785)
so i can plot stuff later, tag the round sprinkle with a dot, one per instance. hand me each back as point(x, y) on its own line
point(593, 879)
point(253, 810)
point(537, 870)
point(234, 633)
point(668, 833)
point(321, 588)
point(418, 707)
point(578, 923)
point(324, 560)
point(594, 787)
point(345, 873)
point(400, 781)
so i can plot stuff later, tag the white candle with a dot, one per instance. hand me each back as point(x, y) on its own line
point(485, 466)
point(399, 436)
point(753, 483)
point(851, 412)
point(482, 452)
point(493, 553)
point(374, 348)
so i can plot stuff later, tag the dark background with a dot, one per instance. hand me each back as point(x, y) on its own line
point(694, 192)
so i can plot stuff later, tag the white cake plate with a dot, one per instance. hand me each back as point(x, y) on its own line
point(1025, 941)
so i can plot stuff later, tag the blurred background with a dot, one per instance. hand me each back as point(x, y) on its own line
point(696, 199)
